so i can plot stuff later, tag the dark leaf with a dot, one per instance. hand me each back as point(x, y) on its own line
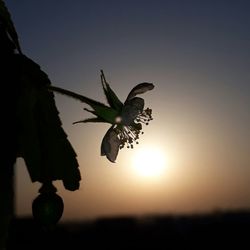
point(44, 145)
point(112, 98)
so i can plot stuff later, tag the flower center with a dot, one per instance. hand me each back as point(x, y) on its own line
point(128, 134)
point(118, 120)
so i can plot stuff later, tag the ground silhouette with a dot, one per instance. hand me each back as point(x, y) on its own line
point(204, 231)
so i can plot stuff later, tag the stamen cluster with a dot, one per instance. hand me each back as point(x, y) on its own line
point(128, 134)
point(145, 116)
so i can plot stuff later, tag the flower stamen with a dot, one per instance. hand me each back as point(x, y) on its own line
point(145, 116)
point(128, 134)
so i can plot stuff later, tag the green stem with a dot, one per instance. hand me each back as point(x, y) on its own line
point(74, 95)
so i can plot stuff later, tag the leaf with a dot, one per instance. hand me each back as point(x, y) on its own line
point(112, 98)
point(139, 89)
point(8, 24)
point(44, 145)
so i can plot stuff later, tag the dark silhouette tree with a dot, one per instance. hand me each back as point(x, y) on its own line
point(31, 127)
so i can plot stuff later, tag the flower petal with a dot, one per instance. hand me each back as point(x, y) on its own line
point(140, 89)
point(131, 110)
point(110, 145)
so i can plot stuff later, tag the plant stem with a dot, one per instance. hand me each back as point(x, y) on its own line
point(74, 95)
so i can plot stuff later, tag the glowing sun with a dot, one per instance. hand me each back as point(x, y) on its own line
point(149, 162)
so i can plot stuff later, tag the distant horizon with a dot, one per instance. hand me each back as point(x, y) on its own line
point(229, 229)
point(147, 217)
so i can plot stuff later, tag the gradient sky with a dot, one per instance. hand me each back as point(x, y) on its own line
point(197, 53)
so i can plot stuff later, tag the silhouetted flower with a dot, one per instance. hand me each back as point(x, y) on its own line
point(126, 118)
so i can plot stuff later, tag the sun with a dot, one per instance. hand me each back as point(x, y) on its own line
point(149, 162)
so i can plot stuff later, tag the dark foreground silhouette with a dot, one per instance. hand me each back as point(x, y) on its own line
point(207, 231)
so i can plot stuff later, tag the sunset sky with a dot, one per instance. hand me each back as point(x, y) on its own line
point(197, 54)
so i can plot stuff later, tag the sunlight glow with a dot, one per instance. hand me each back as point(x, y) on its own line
point(149, 162)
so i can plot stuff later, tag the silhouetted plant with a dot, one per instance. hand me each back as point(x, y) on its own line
point(32, 129)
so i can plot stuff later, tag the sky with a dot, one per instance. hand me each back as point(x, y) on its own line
point(197, 54)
